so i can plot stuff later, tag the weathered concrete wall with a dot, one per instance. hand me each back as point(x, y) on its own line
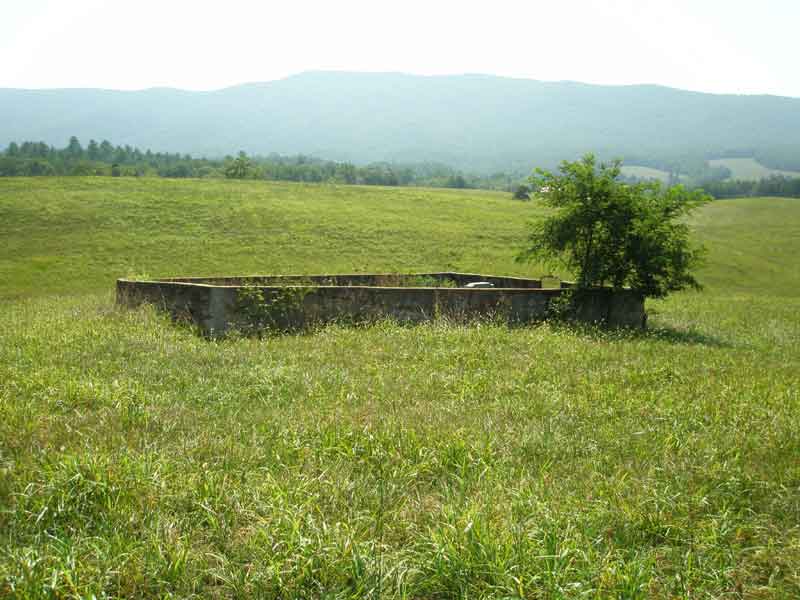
point(202, 305)
point(375, 280)
point(216, 308)
point(621, 308)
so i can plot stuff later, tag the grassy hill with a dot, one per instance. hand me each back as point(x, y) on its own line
point(475, 122)
point(749, 168)
point(434, 461)
point(645, 172)
point(77, 236)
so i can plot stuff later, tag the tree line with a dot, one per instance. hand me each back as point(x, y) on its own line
point(775, 185)
point(105, 159)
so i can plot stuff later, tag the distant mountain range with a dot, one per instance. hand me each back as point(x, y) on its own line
point(477, 123)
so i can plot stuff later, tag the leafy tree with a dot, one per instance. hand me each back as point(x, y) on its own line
point(522, 192)
point(39, 167)
point(612, 233)
point(93, 150)
point(81, 168)
point(106, 151)
point(239, 168)
point(74, 149)
point(10, 167)
point(347, 172)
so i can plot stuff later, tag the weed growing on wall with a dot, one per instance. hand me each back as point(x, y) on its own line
point(263, 310)
point(562, 307)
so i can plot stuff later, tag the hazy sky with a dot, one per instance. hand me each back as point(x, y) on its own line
point(727, 46)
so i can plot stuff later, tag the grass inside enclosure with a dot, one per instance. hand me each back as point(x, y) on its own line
point(436, 461)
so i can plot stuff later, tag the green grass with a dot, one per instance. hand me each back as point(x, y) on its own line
point(436, 461)
point(645, 173)
point(76, 235)
point(741, 168)
point(749, 168)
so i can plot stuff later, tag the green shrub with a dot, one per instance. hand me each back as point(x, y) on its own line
point(612, 233)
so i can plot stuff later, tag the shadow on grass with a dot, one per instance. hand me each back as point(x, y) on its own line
point(660, 333)
point(674, 335)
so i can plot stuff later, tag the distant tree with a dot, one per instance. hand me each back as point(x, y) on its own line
point(74, 149)
point(348, 173)
point(239, 168)
point(81, 168)
point(34, 150)
point(612, 233)
point(13, 149)
point(93, 150)
point(120, 155)
point(106, 151)
point(456, 181)
point(11, 167)
point(522, 192)
point(38, 167)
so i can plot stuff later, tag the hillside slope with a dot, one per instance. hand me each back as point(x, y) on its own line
point(476, 122)
point(748, 168)
point(76, 235)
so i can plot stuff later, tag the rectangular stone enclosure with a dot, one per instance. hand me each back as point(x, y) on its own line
point(217, 304)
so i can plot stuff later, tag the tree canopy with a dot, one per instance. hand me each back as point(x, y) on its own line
point(104, 158)
point(610, 233)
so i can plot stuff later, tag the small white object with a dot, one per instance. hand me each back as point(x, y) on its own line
point(480, 284)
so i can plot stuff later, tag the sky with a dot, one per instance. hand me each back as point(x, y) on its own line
point(720, 46)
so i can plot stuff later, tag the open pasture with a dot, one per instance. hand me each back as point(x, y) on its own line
point(645, 173)
point(749, 168)
point(385, 461)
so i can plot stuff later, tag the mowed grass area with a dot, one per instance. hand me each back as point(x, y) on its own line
point(749, 168)
point(73, 236)
point(645, 172)
point(436, 461)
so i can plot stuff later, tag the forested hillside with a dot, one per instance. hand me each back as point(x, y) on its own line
point(477, 123)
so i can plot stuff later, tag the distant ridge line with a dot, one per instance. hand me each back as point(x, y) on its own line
point(480, 123)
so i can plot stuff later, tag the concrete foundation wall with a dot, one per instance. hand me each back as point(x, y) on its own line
point(360, 279)
point(215, 305)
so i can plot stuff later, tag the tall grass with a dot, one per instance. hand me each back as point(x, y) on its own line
point(386, 461)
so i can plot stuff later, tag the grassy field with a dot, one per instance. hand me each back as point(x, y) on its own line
point(74, 236)
point(645, 173)
point(749, 168)
point(436, 461)
point(741, 168)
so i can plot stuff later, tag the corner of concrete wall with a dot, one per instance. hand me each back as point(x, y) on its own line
point(221, 307)
point(626, 309)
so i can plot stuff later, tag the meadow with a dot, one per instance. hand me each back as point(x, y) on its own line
point(645, 173)
point(749, 168)
point(745, 169)
point(385, 461)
